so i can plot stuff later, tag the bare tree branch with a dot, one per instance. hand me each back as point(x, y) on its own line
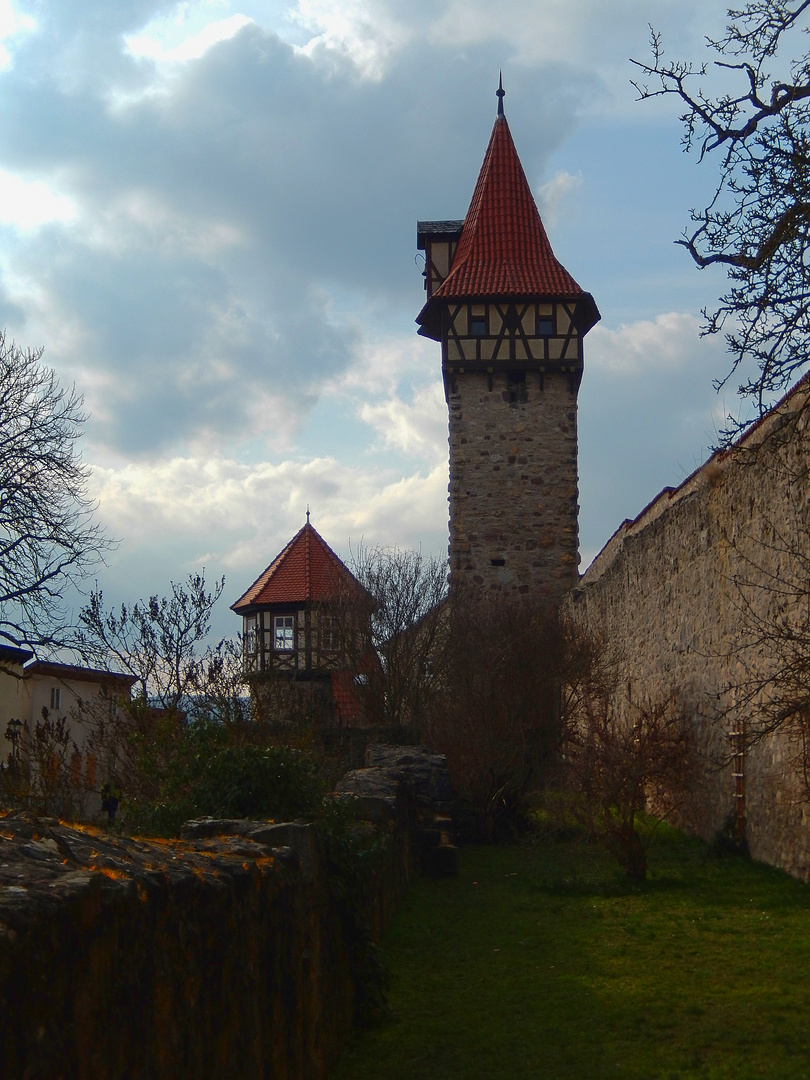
point(757, 223)
point(407, 624)
point(48, 540)
point(156, 640)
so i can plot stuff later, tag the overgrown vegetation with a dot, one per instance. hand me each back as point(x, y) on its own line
point(520, 699)
point(531, 710)
point(47, 782)
point(180, 771)
point(356, 853)
point(498, 717)
point(547, 961)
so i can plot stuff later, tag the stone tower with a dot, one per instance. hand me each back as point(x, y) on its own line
point(510, 319)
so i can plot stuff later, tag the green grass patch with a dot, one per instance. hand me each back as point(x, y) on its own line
point(544, 961)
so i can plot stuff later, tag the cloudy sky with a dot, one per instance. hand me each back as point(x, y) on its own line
point(208, 219)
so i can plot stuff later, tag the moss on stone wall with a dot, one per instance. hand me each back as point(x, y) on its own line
point(216, 956)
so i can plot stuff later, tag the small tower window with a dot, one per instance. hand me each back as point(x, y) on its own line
point(545, 326)
point(329, 633)
point(283, 633)
point(478, 325)
point(516, 388)
point(56, 698)
point(250, 635)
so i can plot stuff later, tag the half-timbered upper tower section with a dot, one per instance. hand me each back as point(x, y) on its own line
point(497, 295)
point(510, 319)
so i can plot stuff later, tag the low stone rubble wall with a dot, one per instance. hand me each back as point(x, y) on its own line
point(427, 772)
point(220, 955)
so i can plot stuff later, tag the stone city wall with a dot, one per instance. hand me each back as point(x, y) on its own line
point(691, 596)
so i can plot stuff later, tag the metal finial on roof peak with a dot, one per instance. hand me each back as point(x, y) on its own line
point(307, 513)
point(499, 93)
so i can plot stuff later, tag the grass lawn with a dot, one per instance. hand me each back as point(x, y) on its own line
point(542, 961)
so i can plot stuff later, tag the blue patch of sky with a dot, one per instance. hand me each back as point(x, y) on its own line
point(618, 232)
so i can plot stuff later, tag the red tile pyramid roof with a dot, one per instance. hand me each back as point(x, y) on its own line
point(306, 570)
point(503, 249)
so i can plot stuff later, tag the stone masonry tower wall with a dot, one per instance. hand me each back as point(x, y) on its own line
point(513, 482)
point(510, 320)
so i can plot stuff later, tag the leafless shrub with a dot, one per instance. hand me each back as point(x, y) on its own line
point(50, 751)
point(617, 764)
point(156, 640)
point(509, 668)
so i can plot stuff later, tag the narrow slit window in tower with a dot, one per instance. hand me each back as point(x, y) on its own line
point(516, 388)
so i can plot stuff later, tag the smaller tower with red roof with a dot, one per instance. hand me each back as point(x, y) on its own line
point(510, 319)
point(305, 619)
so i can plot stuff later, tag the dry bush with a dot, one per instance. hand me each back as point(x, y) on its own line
point(499, 716)
point(50, 786)
point(618, 764)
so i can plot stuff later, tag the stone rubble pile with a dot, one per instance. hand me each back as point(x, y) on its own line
point(425, 773)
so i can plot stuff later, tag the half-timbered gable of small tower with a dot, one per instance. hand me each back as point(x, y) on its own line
point(510, 320)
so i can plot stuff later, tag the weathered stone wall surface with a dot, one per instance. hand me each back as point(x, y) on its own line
point(513, 482)
point(689, 594)
point(221, 955)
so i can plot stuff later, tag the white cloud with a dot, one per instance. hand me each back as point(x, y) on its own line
point(136, 219)
point(417, 428)
point(555, 195)
point(14, 25)
point(363, 31)
point(183, 36)
point(667, 343)
point(226, 271)
point(380, 363)
point(246, 513)
point(27, 204)
point(370, 31)
point(577, 35)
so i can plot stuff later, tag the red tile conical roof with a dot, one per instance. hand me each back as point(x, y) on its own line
point(307, 570)
point(503, 249)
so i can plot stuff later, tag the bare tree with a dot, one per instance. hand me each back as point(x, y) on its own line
point(223, 689)
point(399, 620)
point(499, 714)
point(157, 640)
point(757, 223)
point(530, 713)
point(48, 540)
